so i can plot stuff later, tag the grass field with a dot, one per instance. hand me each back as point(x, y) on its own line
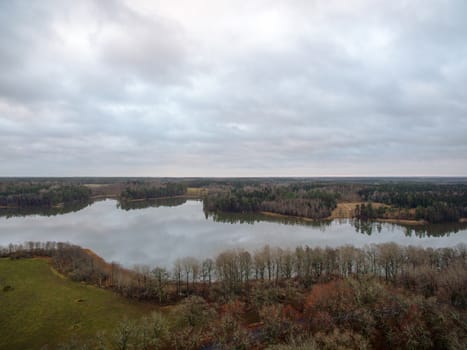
point(195, 191)
point(43, 308)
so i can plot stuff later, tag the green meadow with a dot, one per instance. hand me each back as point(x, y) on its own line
point(41, 309)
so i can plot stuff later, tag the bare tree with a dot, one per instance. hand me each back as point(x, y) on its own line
point(178, 274)
point(207, 269)
point(160, 279)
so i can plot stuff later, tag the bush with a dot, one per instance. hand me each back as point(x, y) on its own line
point(8, 288)
point(280, 323)
point(153, 332)
point(124, 336)
point(193, 312)
point(229, 334)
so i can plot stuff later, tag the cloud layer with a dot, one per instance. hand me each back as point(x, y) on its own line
point(233, 88)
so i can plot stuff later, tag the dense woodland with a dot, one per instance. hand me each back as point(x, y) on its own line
point(382, 296)
point(430, 202)
point(34, 194)
point(292, 200)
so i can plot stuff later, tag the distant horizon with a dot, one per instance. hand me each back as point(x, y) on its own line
point(246, 177)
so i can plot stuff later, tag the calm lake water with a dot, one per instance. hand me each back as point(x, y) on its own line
point(158, 234)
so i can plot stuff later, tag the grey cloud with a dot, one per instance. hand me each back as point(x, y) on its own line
point(151, 49)
point(107, 88)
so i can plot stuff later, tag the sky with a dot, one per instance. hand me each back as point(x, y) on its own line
point(233, 88)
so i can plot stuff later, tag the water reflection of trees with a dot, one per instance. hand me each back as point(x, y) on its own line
point(43, 210)
point(435, 230)
point(155, 203)
point(369, 227)
point(252, 218)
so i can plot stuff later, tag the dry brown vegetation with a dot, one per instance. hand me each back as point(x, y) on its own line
point(383, 296)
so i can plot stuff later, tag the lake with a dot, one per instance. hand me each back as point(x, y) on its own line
point(164, 231)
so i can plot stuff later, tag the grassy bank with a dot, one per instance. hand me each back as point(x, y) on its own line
point(42, 308)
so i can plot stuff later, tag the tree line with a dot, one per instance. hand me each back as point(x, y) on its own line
point(430, 202)
point(152, 191)
point(24, 195)
point(232, 272)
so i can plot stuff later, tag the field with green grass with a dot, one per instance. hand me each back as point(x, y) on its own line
point(39, 308)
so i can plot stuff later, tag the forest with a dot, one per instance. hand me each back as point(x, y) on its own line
point(36, 194)
point(304, 201)
point(381, 296)
point(422, 200)
point(433, 203)
point(416, 201)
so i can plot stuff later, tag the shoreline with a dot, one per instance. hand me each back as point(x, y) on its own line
point(104, 196)
point(333, 216)
point(184, 196)
point(412, 222)
point(284, 216)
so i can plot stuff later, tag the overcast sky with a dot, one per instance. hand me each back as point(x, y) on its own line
point(233, 88)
